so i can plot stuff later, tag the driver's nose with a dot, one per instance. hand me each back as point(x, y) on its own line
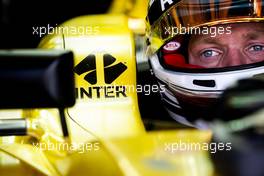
point(235, 57)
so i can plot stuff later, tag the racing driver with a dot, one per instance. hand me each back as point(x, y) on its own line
point(199, 48)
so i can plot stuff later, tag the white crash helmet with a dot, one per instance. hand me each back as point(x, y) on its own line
point(190, 90)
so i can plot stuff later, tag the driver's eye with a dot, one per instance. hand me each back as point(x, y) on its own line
point(256, 48)
point(209, 53)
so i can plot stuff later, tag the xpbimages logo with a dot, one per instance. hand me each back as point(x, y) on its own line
point(112, 71)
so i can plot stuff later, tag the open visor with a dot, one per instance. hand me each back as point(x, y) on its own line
point(216, 47)
point(187, 17)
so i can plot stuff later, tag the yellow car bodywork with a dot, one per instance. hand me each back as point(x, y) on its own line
point(107, 135)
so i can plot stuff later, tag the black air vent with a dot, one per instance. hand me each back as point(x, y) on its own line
point(204, 83)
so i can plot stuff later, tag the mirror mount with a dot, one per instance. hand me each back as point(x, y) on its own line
point(35, 78)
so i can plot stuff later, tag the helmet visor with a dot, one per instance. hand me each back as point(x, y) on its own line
point(220, 46)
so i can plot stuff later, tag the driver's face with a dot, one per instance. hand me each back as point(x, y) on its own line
point(244, 45)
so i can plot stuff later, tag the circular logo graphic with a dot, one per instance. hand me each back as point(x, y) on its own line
point(172, 46)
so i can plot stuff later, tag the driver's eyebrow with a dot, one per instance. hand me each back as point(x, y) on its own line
point(207, 40)
point(211, 40)
point(254, 35)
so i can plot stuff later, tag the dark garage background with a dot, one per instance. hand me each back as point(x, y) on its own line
point(17, 17)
